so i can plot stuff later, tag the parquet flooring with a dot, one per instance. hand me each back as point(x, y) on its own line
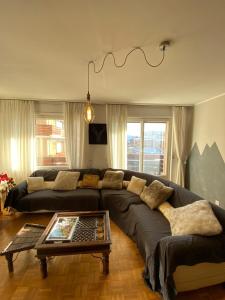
point(80, 276)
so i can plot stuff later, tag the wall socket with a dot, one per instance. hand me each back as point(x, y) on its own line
point(217, 202)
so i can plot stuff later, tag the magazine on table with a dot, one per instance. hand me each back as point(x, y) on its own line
point(63, 229)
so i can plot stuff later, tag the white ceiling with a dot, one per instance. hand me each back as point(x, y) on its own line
point(45, 47)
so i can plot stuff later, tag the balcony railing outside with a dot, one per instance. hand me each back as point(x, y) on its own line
point(152, 163)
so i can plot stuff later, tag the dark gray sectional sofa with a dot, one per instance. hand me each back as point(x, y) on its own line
point(150, 230)
point(50, 200)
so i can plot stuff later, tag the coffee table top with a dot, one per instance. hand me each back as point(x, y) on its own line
point(75, 232)
point(25, 239)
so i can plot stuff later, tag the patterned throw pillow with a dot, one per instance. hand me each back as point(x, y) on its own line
point(136, 185)
point(155, 194)
point(90, 181)
point(113, 180)
point(66, 181)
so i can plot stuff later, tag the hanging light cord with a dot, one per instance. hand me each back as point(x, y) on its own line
point(163, 46)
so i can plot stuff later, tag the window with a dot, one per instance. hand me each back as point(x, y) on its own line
point(147, 147)
point(50, 142)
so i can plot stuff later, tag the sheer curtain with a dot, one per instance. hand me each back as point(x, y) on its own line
point(17, 144)
point(75, 134)
point(182, 130)
point(116, 117)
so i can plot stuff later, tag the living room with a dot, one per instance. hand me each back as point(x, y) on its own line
point(127, 85)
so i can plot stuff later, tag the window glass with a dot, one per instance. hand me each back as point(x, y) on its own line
point(147, 147)
point(50, 142)
point(154, 148)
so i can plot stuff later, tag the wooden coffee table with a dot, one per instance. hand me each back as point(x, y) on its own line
point(91, 234)
point(25, 239)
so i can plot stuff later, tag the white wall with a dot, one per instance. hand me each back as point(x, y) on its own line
point(207, 159)
point(97, 154)
point(149, 111)
point(50, 107)
point(209, 124)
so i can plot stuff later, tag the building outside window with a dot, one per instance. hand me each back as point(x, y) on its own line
point(50, 142)
point(148, 147)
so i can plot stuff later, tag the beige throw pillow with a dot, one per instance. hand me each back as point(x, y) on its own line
point(166, 209)
point(155, 194)
point(125, 184)
point(66, 180)
point(35, 184)
point(100, 184)
point(90, 181)
point(113, 180)
point(195, 218)
point(80, 184)
point(136, 185)
point(48, 185)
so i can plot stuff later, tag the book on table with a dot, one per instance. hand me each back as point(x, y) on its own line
point(63, 229)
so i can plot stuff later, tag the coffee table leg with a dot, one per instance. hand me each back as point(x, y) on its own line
point(105, 261)
point(43, 266)
point(9, 258)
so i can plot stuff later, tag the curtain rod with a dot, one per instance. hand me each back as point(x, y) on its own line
point(97, 103)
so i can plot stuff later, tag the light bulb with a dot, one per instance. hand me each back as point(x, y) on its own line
point(89, 113)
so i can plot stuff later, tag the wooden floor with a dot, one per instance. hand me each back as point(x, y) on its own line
point(80, 277)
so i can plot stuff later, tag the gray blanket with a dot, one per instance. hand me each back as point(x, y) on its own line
point(163, 253)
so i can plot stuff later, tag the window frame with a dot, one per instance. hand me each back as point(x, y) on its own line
point(168, 135)
point(48, 116)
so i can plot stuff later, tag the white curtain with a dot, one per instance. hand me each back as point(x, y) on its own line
point(182, 131)
point(116, 116)
point(17, 148)
point(75, 134)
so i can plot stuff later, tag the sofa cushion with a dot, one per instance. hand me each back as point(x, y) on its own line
point(48, 185)
point(136, 185)
point(113, 180)
point(125, 184)
point(35, 184)
point(147, 227)
point(195, 218)
point(119, 199)
point(77, 200)
point(90, 181)
point(166, 209)
point(155, 194)
point(50, 174)
point(66, 181)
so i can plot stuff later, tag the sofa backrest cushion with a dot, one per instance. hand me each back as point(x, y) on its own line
point(128, 174)
point(113, 180)
point(90, 181)
point(195, 218)
point(66, 181)
point(50, 174)
point(136, 185)
point(156, 193)
point(35, 184)
point(180, 196)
